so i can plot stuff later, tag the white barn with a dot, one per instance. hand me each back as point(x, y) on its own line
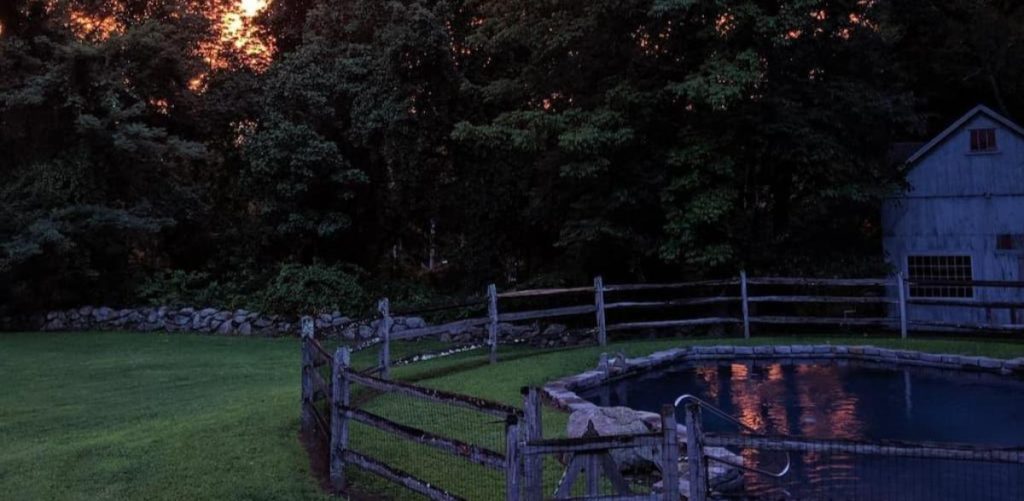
point(962, 219)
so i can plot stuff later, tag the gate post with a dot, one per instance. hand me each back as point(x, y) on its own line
point(339, 416)
point(746, 304)
point(669, 454)
point(512, 458)
point(602, 330)
point(695, 453)
point(307, 374)
point(532, 464)
point(384, 307)
point(492, 321)
point(901, 284)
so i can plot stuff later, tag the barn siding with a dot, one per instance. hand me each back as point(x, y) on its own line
point(957, 204)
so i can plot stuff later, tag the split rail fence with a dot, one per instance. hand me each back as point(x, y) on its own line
point(584, 468)
point(735, 300)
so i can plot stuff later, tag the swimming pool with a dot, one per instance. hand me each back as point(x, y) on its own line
point(851, 400)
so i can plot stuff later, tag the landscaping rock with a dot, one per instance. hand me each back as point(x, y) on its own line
point(554, 330)
point(610, 421)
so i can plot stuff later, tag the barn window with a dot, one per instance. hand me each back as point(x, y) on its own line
point(983, 140)
point(940, 268)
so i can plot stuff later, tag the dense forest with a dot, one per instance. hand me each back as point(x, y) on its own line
point(307, 154)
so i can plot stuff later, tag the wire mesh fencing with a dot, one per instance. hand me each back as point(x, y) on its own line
point(407, 442)
point(855, 470)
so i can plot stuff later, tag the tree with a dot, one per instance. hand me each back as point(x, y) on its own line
point(99, 155)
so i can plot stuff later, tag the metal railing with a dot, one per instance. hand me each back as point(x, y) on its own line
point(724, 415)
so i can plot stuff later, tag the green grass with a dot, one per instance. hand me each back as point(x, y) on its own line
point(151, 416)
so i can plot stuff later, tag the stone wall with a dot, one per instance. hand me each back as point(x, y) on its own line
point(205, 321)
point(247, 323)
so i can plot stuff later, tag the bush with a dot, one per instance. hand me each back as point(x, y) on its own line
point(317, 288)
point(190, 288)
point(295, 289)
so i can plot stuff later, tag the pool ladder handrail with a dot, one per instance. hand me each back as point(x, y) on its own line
point(722, 414)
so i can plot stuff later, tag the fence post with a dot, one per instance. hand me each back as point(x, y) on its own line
point(339, 416)
point(512, 459)
point(901, 284)
point(746, 304)
point(492, 325)
point(669, 454)
point(534, 463)
point(307, 374)
point(602, 330)
point(384, 307)
point(695, 453)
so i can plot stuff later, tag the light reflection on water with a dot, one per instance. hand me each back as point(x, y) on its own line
point(853, 401)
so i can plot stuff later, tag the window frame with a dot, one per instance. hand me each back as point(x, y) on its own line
point(931, 254)
point(975, 139)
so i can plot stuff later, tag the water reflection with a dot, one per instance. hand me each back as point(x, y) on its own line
point(854, 401)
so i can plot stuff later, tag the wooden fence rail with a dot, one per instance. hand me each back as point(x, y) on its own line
point(342, 414)
point(742, 291)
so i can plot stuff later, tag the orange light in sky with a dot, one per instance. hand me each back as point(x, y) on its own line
point(236, 36)
point(238, 32)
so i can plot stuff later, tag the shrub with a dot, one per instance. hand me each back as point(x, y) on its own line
point(189, 288)
point(316, 288)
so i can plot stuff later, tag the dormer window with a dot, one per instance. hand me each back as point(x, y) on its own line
point(983, 140)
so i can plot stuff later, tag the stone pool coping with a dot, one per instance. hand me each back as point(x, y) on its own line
point(562, 392)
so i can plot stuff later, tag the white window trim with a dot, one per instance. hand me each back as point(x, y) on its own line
point(906, 272)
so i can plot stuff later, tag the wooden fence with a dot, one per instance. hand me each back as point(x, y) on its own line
point(741, 293)
point(343, 413)
point(587, 459)
point(316, 391)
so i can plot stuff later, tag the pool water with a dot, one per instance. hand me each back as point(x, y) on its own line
point(847, 400)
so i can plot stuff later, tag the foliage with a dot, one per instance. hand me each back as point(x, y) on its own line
point(312, 289)
point(183, 288)
point(445, 145)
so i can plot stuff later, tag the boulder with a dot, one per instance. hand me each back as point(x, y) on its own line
point(224, 328)
point(349, 334)
point(610, 421)
point(102, 314)
point(366, 332)
point(245, 329)
point(554, 330)
point(415, 322)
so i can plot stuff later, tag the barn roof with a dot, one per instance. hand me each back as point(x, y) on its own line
point(978, 110)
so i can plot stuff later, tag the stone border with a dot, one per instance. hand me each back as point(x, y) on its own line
point(562, 392)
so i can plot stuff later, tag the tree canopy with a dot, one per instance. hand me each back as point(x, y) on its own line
point(418, 147)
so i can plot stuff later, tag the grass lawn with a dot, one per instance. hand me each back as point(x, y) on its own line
point(153, 416)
